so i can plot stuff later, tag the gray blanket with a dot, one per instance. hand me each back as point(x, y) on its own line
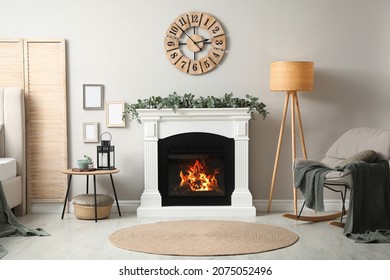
point(309, 177)
point(9, 226)
point(368, 219)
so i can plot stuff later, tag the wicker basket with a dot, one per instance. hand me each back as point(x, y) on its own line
point(84, 206)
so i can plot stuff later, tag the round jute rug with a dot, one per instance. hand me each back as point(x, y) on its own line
point(203, 238)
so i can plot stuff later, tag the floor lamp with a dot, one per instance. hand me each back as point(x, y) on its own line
point(290, 77)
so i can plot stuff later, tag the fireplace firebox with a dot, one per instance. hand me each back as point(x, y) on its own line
point(196, 169)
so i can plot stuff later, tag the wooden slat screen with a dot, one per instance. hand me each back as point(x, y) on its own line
point(11, 63)
point(45, 81)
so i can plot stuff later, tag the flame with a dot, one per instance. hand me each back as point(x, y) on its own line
point(198, 179)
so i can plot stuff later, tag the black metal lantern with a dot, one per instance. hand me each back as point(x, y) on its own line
point(105, 153)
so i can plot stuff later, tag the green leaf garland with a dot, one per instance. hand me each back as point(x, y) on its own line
point(188, 100)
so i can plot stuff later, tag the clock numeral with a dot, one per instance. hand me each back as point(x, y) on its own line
point(216, 30)
point(216, 55)
point(174, 56)
point(174, 31)
point(194, 18)
point(195, 68)
point(182, 64)
point(182, 22)
point(219, 42)
point(207, 21)
point(171, 43)
point(207, 64)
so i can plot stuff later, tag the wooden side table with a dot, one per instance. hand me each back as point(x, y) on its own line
point(94, 173)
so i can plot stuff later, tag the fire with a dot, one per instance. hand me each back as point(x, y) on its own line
point(198, 179)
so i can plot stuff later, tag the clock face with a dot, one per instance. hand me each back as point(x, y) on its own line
point(195, 43)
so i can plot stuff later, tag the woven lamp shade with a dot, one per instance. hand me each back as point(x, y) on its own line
point(292, 76)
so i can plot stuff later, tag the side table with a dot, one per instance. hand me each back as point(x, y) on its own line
point(94, 173)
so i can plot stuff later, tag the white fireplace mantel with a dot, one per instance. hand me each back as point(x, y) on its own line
point(228, 122)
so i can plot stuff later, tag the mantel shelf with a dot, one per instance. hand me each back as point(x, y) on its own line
point(201, 113)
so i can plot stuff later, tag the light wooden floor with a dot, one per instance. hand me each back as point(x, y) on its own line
point(73, 239)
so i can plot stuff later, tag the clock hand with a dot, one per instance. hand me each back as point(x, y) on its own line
point(204, 41)
point(189, 37)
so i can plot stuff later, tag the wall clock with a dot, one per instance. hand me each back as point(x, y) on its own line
point(195, 43)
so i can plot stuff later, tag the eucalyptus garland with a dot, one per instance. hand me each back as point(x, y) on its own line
point(188, 100)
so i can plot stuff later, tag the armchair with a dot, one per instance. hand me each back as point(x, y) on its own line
point(357, 144)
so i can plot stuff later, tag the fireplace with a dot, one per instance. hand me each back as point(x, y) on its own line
point(189, 142)
point(196, 169)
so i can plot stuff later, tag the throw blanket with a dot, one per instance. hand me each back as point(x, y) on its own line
point(368, 219)
point(9, 226)
point(309, 177)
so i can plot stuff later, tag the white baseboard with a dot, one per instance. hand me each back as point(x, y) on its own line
point(287, 205)
point(130, 206)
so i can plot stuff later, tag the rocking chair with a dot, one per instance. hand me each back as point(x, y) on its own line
point(357, 144)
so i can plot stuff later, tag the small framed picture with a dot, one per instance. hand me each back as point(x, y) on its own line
point(114, 114)
point(93, 97)
point(90, 132)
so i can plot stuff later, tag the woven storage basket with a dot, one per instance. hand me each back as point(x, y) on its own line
point(84, 206)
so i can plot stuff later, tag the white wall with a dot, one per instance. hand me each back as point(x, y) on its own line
point(119, 43)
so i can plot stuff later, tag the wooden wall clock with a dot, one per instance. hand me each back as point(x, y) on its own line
point(195, 43)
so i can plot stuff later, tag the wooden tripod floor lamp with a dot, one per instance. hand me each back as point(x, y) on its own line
point(290, 77)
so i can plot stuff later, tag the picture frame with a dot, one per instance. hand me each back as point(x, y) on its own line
point(90, 132)
point(114, 113)
point(93, 97)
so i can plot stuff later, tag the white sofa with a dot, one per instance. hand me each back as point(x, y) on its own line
point(13, 148)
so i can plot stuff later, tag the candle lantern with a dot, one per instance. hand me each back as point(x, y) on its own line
point(105, 153)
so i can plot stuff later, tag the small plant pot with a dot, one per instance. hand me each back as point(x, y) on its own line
point(83, 164)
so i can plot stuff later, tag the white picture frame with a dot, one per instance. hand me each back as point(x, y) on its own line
point(93, 97)
point(90, 132)
point(114, 113)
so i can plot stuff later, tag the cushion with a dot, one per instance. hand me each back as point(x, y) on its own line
point(338, 179)
point(89, 200)
point(366, 155)
point(303, 161)
point(8, 168)
point(360, 139)
point(336, 174)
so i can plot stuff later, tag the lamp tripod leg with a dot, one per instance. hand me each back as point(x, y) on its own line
point(293, 147)
point(298, 113)
point(300, 128)
point(278, 152)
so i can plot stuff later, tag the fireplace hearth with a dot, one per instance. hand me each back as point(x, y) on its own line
point(196, 169)
point(196, 163)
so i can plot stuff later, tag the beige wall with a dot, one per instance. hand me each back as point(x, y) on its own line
point(119, 43)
